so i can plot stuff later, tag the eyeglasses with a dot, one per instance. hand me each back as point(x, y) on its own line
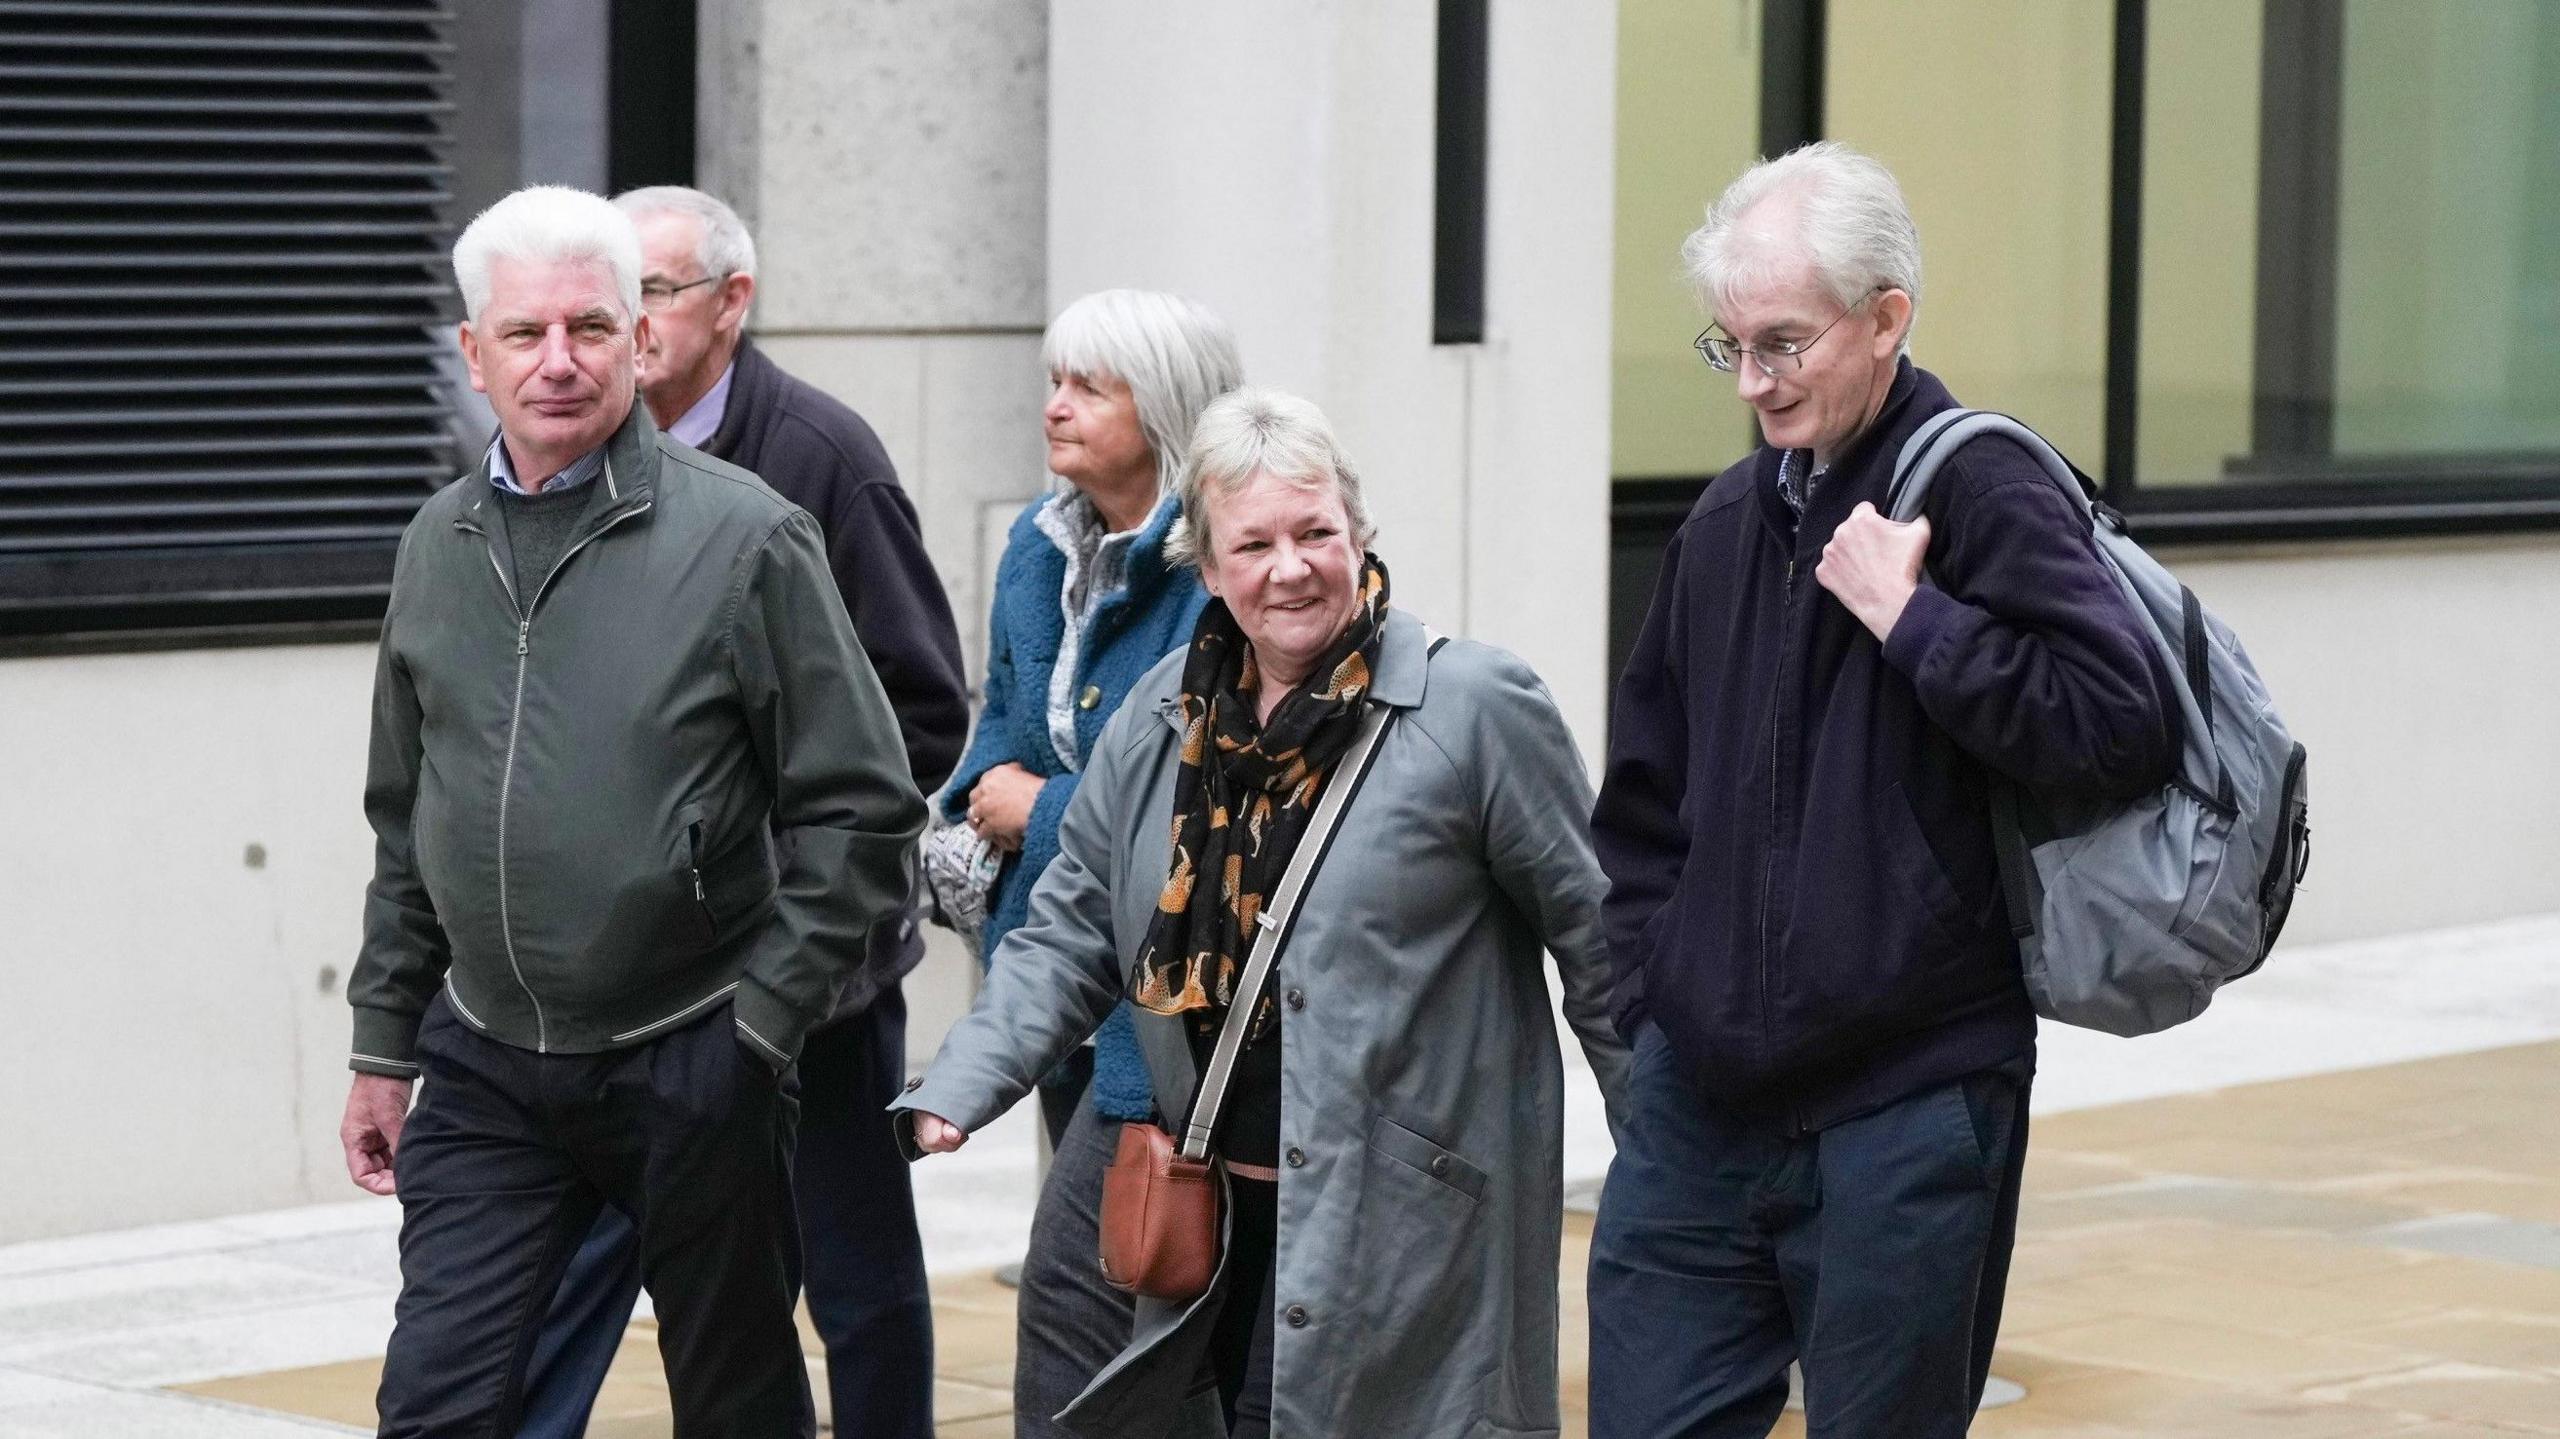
point(1777, 357)
point(659, 296)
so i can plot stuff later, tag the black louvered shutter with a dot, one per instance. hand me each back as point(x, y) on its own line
point(222, 299)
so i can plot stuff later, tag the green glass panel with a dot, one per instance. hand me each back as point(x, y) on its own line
point(1688, 122)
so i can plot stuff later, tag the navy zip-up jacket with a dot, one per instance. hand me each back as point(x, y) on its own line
point(1795, 818)
point(818, 454)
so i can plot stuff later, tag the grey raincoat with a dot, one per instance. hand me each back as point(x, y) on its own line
point(1421, 1194)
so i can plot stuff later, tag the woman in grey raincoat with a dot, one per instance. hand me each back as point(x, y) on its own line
point(1392, 1137)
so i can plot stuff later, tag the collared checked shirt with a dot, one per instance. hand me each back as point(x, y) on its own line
point(1796, 477)
point(503, 475)
point(696, 426)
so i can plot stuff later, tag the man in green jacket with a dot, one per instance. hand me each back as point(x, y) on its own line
point(638, 800)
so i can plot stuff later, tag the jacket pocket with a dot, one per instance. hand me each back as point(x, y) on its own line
point(1424, 1157)
point(1913, 863)
point(1415, 1272)
point(694, 856)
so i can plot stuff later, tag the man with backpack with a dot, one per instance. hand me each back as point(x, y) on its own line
point(1815, 965)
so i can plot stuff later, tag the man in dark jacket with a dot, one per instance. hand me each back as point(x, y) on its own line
point(711, 388)
point(639, 805)
point(1833, 1044)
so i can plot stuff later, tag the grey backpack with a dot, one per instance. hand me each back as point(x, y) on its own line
point(2130, 913)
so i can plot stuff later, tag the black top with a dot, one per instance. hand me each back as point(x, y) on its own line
point(1249, 1124)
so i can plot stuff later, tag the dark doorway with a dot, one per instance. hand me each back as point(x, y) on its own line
point(650, 94)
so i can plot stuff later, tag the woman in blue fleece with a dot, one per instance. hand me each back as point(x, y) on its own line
point(1085, 604)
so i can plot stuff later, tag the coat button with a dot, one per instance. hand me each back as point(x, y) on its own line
point(1091, 698)
point(1439, 1166)
point(1297, 1157)
point(914, 1084)
point(1297, 999)
point(1297, 1316)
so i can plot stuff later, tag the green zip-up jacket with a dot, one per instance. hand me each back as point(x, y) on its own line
point(665, 778)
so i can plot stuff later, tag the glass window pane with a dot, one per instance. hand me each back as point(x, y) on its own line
point(1997, 128)
point(2199, 251)
point(2349, 269)
point(2448, 254)
point(1688, 122)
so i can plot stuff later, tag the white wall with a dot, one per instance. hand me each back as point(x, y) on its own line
point(2425, 681)
point(177, 1021)
point(1274, 160)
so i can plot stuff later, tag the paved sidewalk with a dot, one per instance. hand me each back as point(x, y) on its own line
point(2371, 1248)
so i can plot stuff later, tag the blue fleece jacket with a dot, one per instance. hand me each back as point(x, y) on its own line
point(1147, 618)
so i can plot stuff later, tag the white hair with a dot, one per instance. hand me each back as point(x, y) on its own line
point(1174, 356)
point(725, 248)
point(548, 224)
point(1261, 432)
point(1850, 225)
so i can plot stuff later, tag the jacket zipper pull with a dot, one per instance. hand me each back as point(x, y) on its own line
point(524, 635)
point(698, 896)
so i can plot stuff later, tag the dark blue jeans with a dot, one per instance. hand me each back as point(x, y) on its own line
point(1875, 1251)
point(504, 1165)
point(857, 1224)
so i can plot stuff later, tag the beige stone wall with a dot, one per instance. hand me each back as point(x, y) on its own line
point(892, 159)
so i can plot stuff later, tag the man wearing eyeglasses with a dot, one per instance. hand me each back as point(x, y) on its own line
point(1832, 1042)
point(708, 386)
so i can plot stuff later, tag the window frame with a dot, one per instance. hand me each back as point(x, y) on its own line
point(2298, 222)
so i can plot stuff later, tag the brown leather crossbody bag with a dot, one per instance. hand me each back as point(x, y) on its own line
point(1162, 1202)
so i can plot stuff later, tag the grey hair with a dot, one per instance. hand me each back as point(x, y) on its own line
point(1261, 432)
point(1851, 225)
point(1175, 357)
point(551, 224)
point(726, 247)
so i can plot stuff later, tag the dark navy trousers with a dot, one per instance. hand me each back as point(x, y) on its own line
point(505, 1164)
point(864, 1263)
point(1876, 1252)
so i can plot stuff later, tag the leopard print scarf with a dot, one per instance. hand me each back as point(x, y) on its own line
point(1243, 798)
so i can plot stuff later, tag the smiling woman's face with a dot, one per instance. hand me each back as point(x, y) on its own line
point(1282, 557)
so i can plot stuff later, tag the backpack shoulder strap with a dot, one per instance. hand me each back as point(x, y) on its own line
point(1926, 452)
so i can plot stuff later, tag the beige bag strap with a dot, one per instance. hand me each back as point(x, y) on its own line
point(1274, 921)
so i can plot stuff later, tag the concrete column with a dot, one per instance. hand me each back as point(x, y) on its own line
point(891, 157)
